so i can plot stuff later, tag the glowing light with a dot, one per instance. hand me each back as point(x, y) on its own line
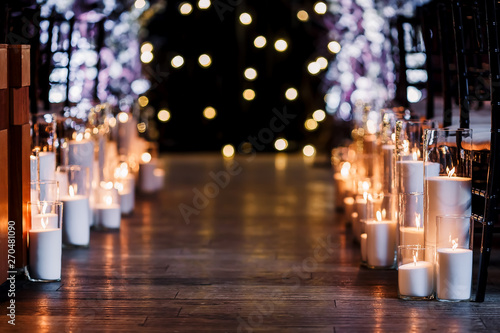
point(146, 157)
point(322, 62)
point(209, 112)
point(72, 190)
point(413, 94)
point(309, 150)
point(228, 151)
point(451, 173)
point(146, 57)
point(302, 15)
point(250, 74)
point(310, 124)
point(143, 101)
point(204, 60)
point(319, 115)
point(245, 18)
point(163, 115)
point(334, 47)
point(320, 7)
point(379, 216)
point(112, 122)
point(185, 8)
point(122, 117)
point(108, 200)
point(280, 45)
point(177, 61)
point(249, 94)
point(260, 42)
point(291, 94)
point(146, 47)
point(281, 144)
point(141, 127)
point(204, 4)
point(139, 4)
point(313, 68)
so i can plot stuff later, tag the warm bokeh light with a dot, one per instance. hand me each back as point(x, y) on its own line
point(146, 57)
point(122, 117)
point(146, 47)
point(302, 15)
point(250, 74)
point(309, 150)
point(143, 101)
point(205, 60)
point(177, 61)
point(209, 112)
point(313, 68)
point(139, 4)
point(141, 127)
point(146, 157)
point(204, 4)
point(281, 144)
point(260, 42)
point(311, 124)
point(185, 8)
point(322, 62)
point(249, 94)
point(334, 47)
point(320, 7)
point(228, 151)
point(112, 122)
point(291, 94)
point(280, 45)
point(245, 18)
point(319, 115)
point(163, 115)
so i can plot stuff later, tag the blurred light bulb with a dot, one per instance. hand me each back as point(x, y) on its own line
point(309, 150)
point(146, 47)
point(204, 60)
point(204, 4)
point(281, 144)
point(313, 68)
point(163, 115)
point(291, 94)
point(334, 47)
point(228, 151)
point(280, 45)
point(302, 15)
point(177, 61)
point(185, 8)
point(319, 115)
point(146, 157)
point(245, 18)
point(320, 7)
point(122, 117)
point(209, 112)
point(146, 57)
point(143, 101)
point(139, 4)
point(260, 42)
point(250, 74)
point(249, 94)
point(310, 124)
point(322, 62)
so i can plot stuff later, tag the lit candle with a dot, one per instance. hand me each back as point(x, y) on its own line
point(380, 242)
point(412, 235)
point(47, 167)
point(454, 273)
point(76, 212)
point(411, 174)
point(415, 279)
point(147, 179)
point(159, 175)
point(348, 206)
point(363, 246)
point(446, 195)
point(45, 244)
point(108, 214)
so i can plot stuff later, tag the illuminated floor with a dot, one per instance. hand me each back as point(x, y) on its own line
point(260, 250)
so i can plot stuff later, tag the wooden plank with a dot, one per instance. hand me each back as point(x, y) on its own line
point(4, 204)
point(4, 109)
point(19, 187)
point(19, 65)
point(4, 83)
point(19, 109)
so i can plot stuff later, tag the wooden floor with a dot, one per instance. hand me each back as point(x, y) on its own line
point(267, 252)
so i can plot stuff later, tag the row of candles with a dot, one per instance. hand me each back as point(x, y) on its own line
point(405, 185)
point(86, 179)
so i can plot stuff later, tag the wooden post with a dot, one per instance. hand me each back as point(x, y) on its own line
point(4, 177)
point(19, 146)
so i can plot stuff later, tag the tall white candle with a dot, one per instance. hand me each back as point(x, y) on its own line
point(47, 167)
point(76, 229)
point(454, 274)
point(380, 243)
point(49, 220)
point(411, 175)
point(62, 179)
point(45, 254)
point(108, 215)
point(147, 179)
point(33, 168)
point(415, 279)
point(445, 196)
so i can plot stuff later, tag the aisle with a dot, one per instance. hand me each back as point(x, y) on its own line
point(259, 250)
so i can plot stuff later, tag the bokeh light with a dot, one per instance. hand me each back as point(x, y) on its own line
point(205, 60)
point(245, 18)
point(319, 115)
point(249, 94)
point(163, 115)
point(334, 47)
point(250, 74)
point(185, 8)
point(280, 45)
point(260, 42)
point(228, 151)
point(309, 150)
point(311, 124)
point(177, 61)
point(281, 144)
point(302, 15)
point(143, 101)
point(204, 4)
point(209, 112)
point(291, 94)
point(320, 7)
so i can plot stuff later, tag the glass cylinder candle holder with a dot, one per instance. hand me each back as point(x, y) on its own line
point(150, 180)
point(44, 191)
point(74, 188)
point(450, 191)
point(44, 137)
point(415, 272)
point(454, 258)
point(411, 219)
point(45, 241)
point(107, 207)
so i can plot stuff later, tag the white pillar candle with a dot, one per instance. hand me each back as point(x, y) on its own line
point(445, 196)
point(127, 201)
point(411, 175)
point(76, 211)
point(159, 175)
point(45, 254)
point(416, 279)
point(380, 243)
point(108, 215)
point(454, 274)
point(49, 221)
point(47, 167)
point(363, 246)
point(348, 206)
point(147, 179)
point(411, 236)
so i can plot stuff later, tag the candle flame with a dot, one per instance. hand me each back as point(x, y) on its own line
point(79, 137)
point(146, 157)
point(344, 171)
point(379, 216)
point(384, 213)
point(393, 136)
point(365, 195)
point(108, 200)
point(415, 259)
point(406, 146)
point(417, 220)
point(72, 190)
point(454, 244)
point(451, 173)
point(415, 156)
point(119, 186)
point(366, 186)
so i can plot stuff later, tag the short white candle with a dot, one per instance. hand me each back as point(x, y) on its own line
point(76, 212)
point(411, 175)
point(380, 242)
point(108, 215)
point(445, 196)
point(45, 254)
point(454, 274)
point(159, 175)
point(411, 236)
point(127, 201)
point(47, 167)
point(363, 246)
point(49, 220)
point(147, 179)
point(415, 279)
